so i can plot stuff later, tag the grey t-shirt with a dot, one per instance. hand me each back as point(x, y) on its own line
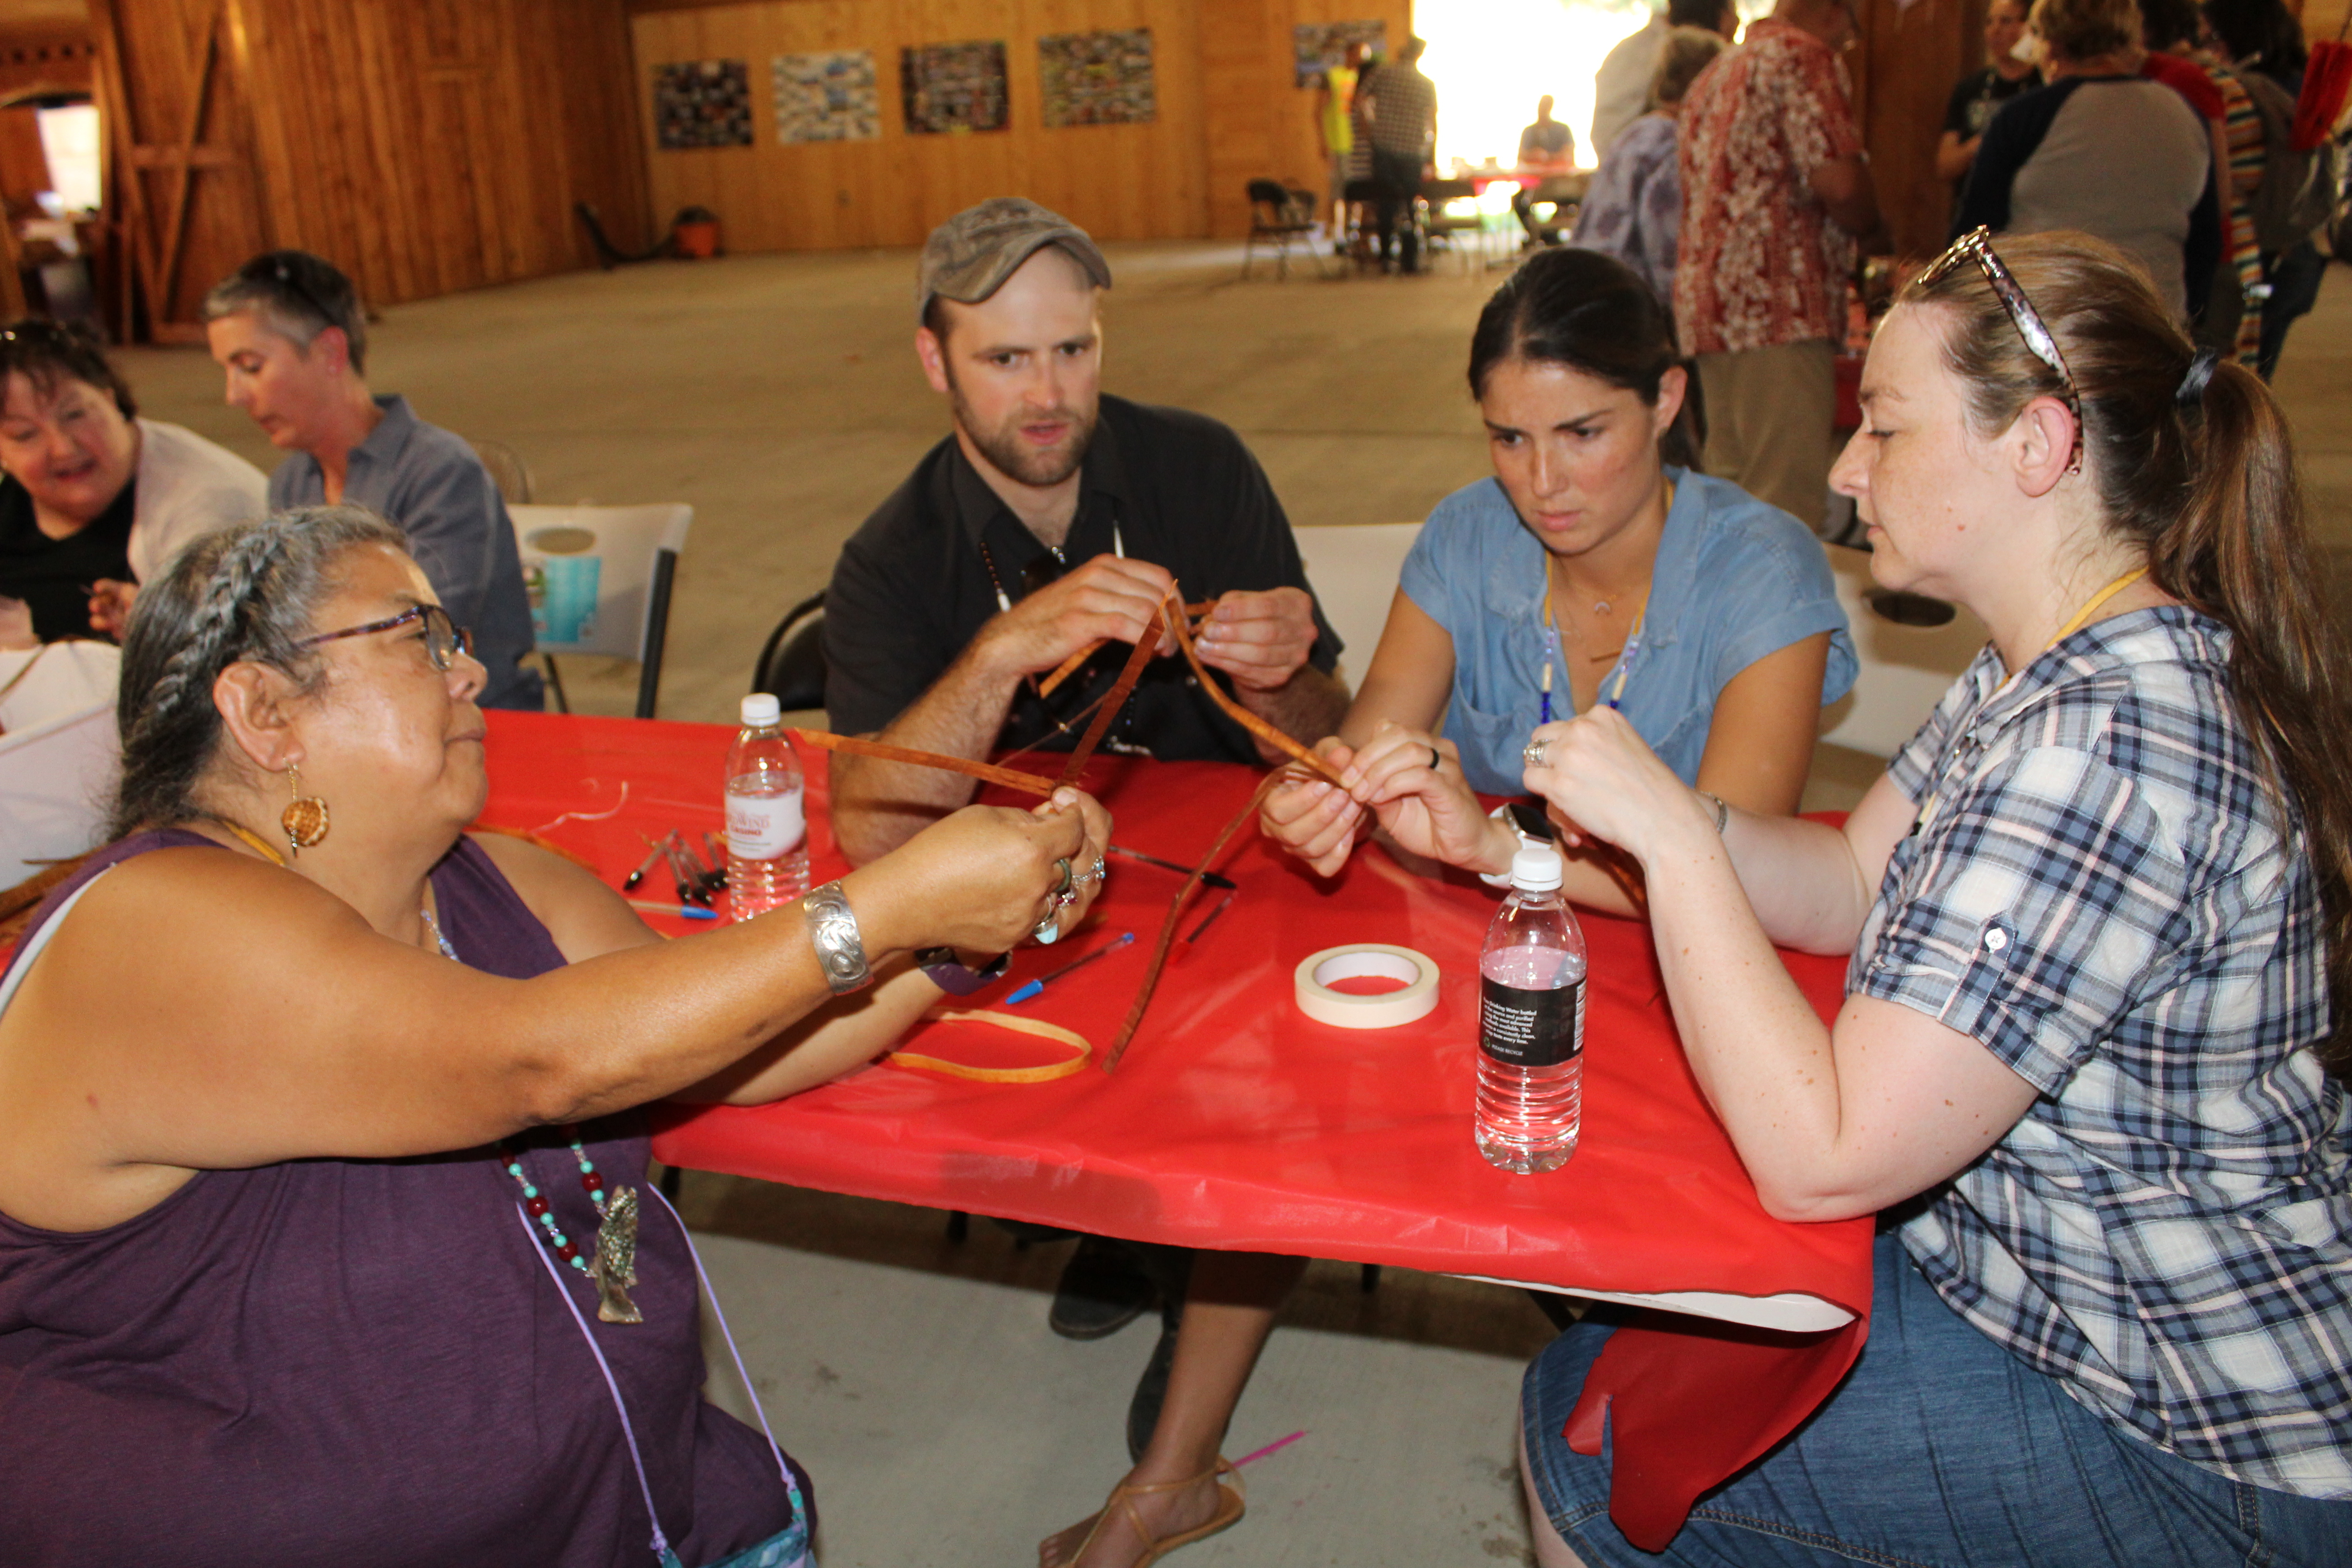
point(428, 480)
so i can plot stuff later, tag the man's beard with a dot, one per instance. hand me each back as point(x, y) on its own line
point(1014, 457)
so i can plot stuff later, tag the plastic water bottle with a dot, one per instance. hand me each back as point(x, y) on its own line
point(767, 824)
point(1531, 1022)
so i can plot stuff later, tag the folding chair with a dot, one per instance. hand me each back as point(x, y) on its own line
point(600, 578)
point(1278, 216)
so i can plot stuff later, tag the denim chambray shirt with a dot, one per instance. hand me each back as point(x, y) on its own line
point(1735, 579)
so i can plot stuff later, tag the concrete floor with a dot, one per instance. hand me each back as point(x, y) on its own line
point(779, 396)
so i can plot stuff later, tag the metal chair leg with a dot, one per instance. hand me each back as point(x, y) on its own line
point(555, 682)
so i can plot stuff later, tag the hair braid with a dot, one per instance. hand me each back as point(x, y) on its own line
point(246, 594)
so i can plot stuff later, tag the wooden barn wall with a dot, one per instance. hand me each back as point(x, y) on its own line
point(41, 59)
point(424, 146)
point(1904, 72)
point(1225, 113)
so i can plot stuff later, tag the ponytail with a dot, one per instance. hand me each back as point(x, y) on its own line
point(2194, 462)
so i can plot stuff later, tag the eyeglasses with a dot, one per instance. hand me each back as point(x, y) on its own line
point(444, 640)
point(1977, 246)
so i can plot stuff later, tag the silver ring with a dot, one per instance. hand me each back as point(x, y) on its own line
point(1069, 882)
point(1094, 873)
point(1532, 753)
point(1048, 930)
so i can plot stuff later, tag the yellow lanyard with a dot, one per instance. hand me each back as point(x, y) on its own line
point(2090, 607)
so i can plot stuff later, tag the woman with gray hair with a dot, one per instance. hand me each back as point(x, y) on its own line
point(1633, 209)
point(320, 1235)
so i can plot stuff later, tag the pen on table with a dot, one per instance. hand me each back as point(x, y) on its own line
point(690, 889)
point(1039, 984)
point(704, 879)
point(684, 912)
point(1209, 877)
point(629, 885)
point(1211, 920)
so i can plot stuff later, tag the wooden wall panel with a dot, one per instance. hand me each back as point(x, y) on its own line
point(424, 146)
point(1904, 72)
point(1227, 113)
point(1118, 182)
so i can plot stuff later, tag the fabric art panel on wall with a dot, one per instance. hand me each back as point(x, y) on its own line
point(1318, 47)
point(703, 103)
point(828, 97)
point(1098, 79)
point(951, 88)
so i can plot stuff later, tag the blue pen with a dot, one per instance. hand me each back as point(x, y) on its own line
point(684, 912)
point(1038, 984)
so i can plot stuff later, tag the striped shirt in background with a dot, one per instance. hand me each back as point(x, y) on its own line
point(2096, 891)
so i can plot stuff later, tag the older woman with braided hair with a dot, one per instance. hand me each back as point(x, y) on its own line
point(320, 1176)
point(2091, 1067)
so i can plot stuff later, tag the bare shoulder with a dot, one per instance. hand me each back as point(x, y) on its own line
point(586, 918)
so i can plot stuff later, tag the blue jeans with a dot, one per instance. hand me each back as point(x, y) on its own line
point(1939, 1450)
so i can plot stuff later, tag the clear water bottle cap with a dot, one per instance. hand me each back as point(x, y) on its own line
point(762, 710)
point(1536, 867)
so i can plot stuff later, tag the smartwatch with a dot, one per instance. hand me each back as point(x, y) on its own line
point(954, 976)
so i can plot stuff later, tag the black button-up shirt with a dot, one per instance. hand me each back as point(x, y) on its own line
point(922, 574)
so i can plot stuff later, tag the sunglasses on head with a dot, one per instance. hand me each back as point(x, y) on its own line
point(1977, 246)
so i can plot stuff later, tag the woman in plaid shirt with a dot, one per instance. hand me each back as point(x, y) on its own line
point(2092, 1061)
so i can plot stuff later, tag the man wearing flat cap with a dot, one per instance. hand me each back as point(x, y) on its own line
point(1053, 518)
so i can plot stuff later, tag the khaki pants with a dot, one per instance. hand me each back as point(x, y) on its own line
point(1769, 417)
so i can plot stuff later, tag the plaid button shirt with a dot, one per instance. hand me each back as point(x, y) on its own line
point(2097, 891)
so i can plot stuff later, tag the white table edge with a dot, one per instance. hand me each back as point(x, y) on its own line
point(1792, 1311)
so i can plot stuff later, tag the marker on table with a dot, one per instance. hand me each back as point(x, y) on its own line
point(684, 912)
point(629, 885)
point(1039, 984)
point(1211, 878)
point(1206, 923)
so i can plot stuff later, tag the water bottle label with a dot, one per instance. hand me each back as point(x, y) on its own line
point(1532, 1028)
point(762, 828)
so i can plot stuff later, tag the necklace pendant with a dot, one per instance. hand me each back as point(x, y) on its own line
point(615, 1268)
point(1600, 606)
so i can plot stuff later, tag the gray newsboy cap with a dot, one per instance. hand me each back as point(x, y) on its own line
point(969, 257)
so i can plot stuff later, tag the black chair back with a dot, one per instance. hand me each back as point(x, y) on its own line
point(792, 664)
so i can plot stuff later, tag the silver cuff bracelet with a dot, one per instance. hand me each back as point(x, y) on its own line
point(832, 932)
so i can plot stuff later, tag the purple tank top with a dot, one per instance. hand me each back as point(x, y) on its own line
point(362, 1361)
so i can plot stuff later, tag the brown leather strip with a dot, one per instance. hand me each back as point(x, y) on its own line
point(1069, 666)
point(988, 772)
point(1139, 656)
point(1249, 720)
point(1248, 813)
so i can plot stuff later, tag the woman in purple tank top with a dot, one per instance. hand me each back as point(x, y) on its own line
point(317, 1246)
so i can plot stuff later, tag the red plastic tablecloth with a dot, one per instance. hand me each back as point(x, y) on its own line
point(1237, 1123)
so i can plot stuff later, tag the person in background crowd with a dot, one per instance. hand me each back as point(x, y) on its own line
point(2104, 151)
point(96, 500)
point(2262, 38)
point(1621, 88)
point(1633, 209)
point(2092, 1063)
point(2233, 318)
point(1981, 93)
point(1549, 148)
point(1051, 520)
point(1402, 107)
point(288, 328)
point(360, 1265)
point(1776, 191)
point(1335, 126)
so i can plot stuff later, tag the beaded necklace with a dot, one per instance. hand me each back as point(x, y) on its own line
point(615, 1268)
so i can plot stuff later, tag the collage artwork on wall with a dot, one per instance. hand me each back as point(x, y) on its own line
point(1317, 46)
point(1098, 79)
point(828, 97)
point(703, 103)
point(950, 88)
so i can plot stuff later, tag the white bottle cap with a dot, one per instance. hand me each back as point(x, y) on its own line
point(1536, 867)
point(762, 710)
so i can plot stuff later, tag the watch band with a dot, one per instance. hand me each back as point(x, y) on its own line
point(954, 976)
point(832, 932)
point(1502, 814)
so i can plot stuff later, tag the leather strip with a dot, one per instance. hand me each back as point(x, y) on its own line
point(988, 772)
point(1069, 666)
point(1138, 656)
point(915, 1061)
point(1248, 719)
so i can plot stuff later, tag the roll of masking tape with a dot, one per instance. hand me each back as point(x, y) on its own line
point(1382, 1010)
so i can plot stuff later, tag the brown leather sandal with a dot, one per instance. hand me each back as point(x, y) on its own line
point(1229, 1512)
